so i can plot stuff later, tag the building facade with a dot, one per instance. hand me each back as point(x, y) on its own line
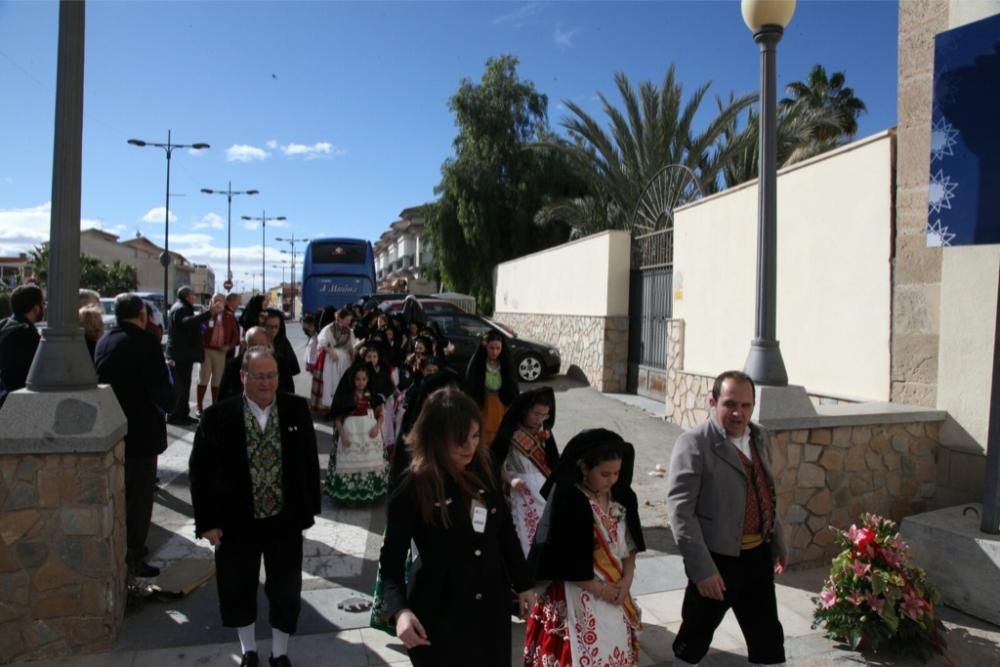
point(404, 253)
point(144, 255)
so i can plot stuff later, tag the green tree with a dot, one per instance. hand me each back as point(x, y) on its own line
point(494, 183)
point(40, 263)
point(93, 273)
point(119, 278)
point(822, 92)
point(652, 131)
point(107, 280)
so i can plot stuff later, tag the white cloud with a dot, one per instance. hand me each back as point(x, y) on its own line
point(518, 17)
point(185, 239)
point(315, 151)
point(272, 144)
point(245, 153)
point(209, 221)
point(564, 38)
point(155, 215)
point(250, 224)
point(21, 229)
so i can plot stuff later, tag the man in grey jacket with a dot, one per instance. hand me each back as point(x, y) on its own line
point(723, 513)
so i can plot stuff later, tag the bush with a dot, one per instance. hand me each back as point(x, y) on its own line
point(874, 599)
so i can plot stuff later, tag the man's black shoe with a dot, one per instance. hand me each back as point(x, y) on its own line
point(250, 659)
point(182, 421)
point(280, 661)
point(145, 570)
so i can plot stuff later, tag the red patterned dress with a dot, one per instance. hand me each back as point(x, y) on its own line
point(570, 627)
point(526, 461)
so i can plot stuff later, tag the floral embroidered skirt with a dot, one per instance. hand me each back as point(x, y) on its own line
point(357, 473)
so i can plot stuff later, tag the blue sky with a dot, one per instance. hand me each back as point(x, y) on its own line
point(337, 111)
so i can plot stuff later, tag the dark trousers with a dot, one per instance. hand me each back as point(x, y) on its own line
point(237, 568)
point(749, 580)
point(140, 485)
point(182, 388)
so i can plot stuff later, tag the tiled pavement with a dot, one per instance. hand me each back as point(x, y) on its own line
point(340, 562)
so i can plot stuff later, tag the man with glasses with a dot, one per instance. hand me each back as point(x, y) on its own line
point(254, 473)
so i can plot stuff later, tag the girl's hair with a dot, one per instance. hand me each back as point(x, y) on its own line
point(92, 321)
point(491, 336)
point(446, 418)
point(612, 451)
point(345, 312)
point(362, 368)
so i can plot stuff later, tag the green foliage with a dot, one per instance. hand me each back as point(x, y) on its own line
point(874, 599)
point(653, 130)
point(820, 92)
point(107, 279)
point(493, 185)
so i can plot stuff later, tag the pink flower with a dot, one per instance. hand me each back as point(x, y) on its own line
point(913, 605)
point(855, 598)
point(875, 603)
point(891, 558)
point(860, 569)
point(827, 598)
point(862, 538)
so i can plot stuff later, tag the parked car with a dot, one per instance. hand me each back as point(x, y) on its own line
point(431, 306)
point(532, 359)
point(108, 312)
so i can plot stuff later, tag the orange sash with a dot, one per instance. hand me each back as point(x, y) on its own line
point(608, 566)
point(530, 447)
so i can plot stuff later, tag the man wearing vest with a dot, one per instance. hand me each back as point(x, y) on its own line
point(255, 487)
point(721, 503)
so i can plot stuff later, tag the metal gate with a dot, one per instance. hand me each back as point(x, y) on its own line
point(650, 306)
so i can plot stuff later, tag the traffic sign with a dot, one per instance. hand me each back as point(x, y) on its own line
point(228, 285)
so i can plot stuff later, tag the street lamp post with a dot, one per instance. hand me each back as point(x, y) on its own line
point(229, 192)
point(169, 149)
point(263, 242)
point(292, 241)
point(767, 19)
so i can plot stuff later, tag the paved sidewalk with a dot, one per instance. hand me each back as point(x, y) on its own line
point(341, 551)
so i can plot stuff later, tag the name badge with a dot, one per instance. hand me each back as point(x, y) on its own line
point(478, 516)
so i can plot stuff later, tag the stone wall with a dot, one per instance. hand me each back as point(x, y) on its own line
point(596, 347)
point(916, 269)
point(62, 548)
point(830, 476)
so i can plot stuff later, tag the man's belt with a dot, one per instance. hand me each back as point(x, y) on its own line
point(751, 541)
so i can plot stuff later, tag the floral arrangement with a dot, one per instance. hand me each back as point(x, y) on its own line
point(874, 599)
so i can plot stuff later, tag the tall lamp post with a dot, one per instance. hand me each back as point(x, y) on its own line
point(169, 149)
point(767, 20)
point(263, 243)
point(292, 241)
point(229, 192)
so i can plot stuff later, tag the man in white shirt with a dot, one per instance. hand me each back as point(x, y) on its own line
point(255, 487)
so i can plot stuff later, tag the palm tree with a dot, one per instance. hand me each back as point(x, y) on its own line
point(653, 131)
point(40, 263)
point(821, 92)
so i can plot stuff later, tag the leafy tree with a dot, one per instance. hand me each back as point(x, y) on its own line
point(108, 280)
point(653, 130)
point(820, 92)
point(119, 278)
point(40, 263)
point(492, 187)
point(93, 273)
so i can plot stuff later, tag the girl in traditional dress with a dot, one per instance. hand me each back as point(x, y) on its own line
point(455, 608)
point(335, 356)
point(358, 468)
point(586, 546)
point(525, 453)
point(384, 384)
point(492, 382)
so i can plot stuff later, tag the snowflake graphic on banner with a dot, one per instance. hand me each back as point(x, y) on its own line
point(938, 235)
point(941, 191)
point(944, 136)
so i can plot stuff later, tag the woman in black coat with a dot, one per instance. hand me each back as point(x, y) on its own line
point(284, 353)
point(456, 609)
point(491, 381)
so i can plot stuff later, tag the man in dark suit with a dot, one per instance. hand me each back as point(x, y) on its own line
point(129, 358)
point(184, 349)
point(254, 473)
point(723, 514)
point(19, 338)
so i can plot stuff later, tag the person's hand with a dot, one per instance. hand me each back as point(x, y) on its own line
point(780, 564)
point(519, 484)
point(214, 536)
point(624, 590)
point(526, 601)
point(333, 355)
point(711, 587)
point(373, 431)
point(345, 442)
point(410, 631)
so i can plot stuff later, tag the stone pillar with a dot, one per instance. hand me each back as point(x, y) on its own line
point(62, 525)
point(916, 274)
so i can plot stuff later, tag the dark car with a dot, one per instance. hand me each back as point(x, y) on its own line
point(531, 359)
point(430, 306)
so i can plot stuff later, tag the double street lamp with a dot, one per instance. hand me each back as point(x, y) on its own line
point(767, 20)
point(262, 218)
point(292, 241)
point(229, 192)
point(169, 149)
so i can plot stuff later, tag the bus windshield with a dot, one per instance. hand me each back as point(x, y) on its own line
point(336, 272)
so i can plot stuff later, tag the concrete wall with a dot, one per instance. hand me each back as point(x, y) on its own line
point(587, 277)
point(834, 283)
point(574, 296)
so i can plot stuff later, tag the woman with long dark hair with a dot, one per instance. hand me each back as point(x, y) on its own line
point(491, 381)
point(456, 609)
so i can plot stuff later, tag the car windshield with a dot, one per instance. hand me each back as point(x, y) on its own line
point(108, 306)
point(502, 328)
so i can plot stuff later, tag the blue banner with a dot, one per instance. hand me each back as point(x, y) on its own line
point(964, 195)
